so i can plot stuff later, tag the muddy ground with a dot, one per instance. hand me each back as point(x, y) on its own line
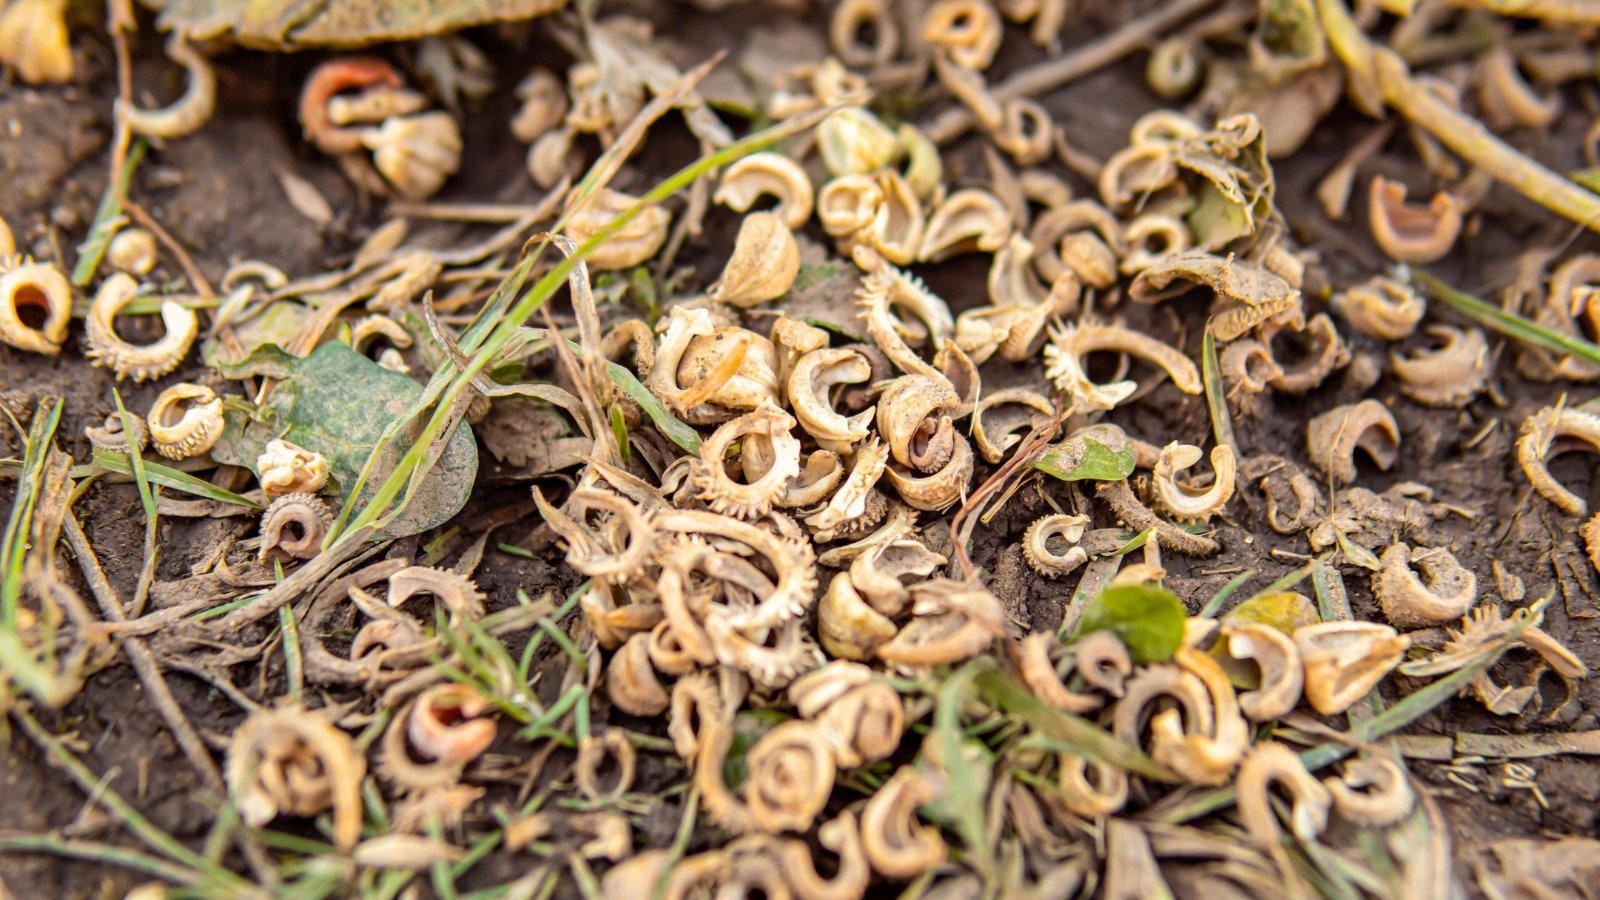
point(219, 195)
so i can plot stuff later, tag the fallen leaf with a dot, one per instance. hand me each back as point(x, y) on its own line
point(338, 403)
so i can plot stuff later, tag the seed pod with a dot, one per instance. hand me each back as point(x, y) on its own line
point(764, 263)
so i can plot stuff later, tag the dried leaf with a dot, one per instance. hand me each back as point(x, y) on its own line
point(305, 198)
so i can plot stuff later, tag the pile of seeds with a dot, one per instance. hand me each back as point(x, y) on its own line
point(772, 483)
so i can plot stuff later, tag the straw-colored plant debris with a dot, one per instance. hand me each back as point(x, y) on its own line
point(864, 508)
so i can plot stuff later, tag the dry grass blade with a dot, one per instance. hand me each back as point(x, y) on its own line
point(1216, 395)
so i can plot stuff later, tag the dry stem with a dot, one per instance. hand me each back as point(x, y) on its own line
point(1086, 60)
point(1379, 71)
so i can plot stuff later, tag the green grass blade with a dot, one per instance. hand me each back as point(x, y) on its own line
point(1290, 580)
point(1508, 324)
point(1214, 605)
point(106, 218)
point(14, 550)
point(1216, 399)
point(135, 461)
point(172, 478)
point(1083, 736)
point(102, 853)
point(667, 423)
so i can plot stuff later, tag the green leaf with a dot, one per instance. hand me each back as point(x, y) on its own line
point(338, 403)
point(1149, 619)
point(667, 423)
point(1291, 31)
point(108, 218)
point(1098, 453)
point(619, 431)
point(1283, 610)
point(1216, 219)
point(278, 324)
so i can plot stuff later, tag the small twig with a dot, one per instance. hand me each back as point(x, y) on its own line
point(680, 840)
point(185, 261)
point(155, 684)
point(1028, 452)
point(1086, 60)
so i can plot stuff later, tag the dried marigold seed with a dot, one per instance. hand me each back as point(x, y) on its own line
point(764, 263)
point(41, 286)
point(1413, 234)
point(768, 174)
point(185, 421)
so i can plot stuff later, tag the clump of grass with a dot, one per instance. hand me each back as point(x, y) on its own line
point(30, 661)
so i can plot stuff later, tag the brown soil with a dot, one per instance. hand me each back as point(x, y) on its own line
point(218, 193)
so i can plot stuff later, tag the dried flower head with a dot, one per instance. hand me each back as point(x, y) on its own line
point(287, 468)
